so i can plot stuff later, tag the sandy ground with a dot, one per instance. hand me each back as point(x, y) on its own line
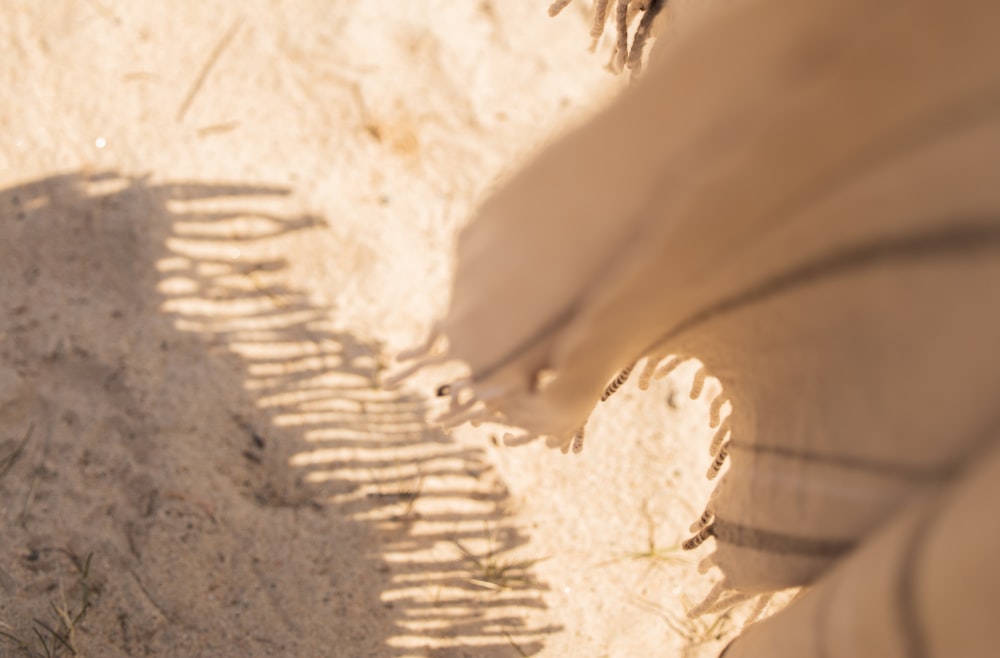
point(217, 222)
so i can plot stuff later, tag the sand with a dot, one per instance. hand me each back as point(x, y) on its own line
point(218, 222)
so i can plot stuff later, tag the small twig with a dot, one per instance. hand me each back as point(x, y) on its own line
point(206, 68)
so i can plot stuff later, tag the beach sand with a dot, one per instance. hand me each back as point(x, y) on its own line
point(218, 222)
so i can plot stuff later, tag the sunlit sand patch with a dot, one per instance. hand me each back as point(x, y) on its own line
point(178, 285)
point(219, 308)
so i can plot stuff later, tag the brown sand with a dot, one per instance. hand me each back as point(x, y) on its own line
point(218, 219)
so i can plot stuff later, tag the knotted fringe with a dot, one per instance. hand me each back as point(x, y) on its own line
point(713, 596)
point(704, 521)
point(617, 382)
point(625, 13)
point(466, 405)
point(698, 383)
point(697, 540)
point(722, 598)
point(759, 609)
point(715, 410)
point(720, 437)
point(717, 463)
point(652, 370)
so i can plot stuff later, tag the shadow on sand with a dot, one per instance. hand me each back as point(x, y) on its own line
point(225, 454)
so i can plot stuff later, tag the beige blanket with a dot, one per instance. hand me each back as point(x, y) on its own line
point(804, 196)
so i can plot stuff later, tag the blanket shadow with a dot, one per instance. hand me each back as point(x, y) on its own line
point(222, 448)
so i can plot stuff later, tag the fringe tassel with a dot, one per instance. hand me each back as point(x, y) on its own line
point(698, 383)
point(647, 371)
point(393, 381)
point(600, 19)
point(715, 411)
point(720, 459)
point(650, 371)
point(617, 63)
point(556, 7)
point(617, 382)
point(699, 539)
point(668, 367)
point(759, 609)
point(710, 599)
point(718, 439)
point(723, 604)
point(642, 34)
point(513, 440)
point(704, 521)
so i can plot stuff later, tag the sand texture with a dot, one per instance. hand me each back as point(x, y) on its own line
point(218, 221)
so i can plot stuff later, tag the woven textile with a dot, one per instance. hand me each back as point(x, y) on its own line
point(805, 196)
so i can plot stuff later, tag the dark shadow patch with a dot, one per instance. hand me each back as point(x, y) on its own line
point(133, 330)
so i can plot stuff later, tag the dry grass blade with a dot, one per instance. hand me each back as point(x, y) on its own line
point(495, 573)
point(49, 640)
point(8, 461)
point(58, 636)
point(670, 554)
point(694, 632)
point(43, 642)
point(15, 639)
